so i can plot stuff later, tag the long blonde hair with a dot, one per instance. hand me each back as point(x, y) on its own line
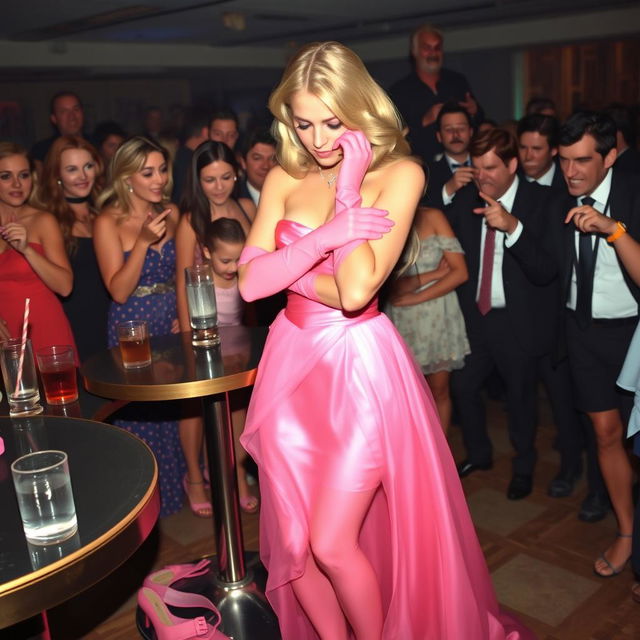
point(336, 75)
point(129, 159)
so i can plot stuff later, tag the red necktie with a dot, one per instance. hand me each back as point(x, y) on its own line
point(484, 295)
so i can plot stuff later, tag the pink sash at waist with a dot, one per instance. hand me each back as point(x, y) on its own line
point(305, 313)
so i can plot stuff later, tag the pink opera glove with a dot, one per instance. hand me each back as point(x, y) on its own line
point(306, 286)
point(271, 272)
point(356, 158)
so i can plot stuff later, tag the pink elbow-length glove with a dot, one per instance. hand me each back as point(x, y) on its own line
point(356, 158)
point(270, 272)
point(356, 152)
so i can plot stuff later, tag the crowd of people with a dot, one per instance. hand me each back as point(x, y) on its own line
point(521, 264)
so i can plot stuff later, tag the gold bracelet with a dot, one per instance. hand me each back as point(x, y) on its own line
point(621, 230)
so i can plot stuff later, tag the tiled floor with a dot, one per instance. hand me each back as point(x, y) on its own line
point(539, 554)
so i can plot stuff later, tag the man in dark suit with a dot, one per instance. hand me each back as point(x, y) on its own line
point(538, 150)
point(453, 171)
point(258, 158)
point(599, 301)
point(498, 221)
point(628, 158)
point(420, 95)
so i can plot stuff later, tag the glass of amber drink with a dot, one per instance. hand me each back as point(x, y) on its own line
point(58, 372)
point(133, 336)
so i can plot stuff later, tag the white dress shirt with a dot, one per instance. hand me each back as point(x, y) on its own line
point(546, 179)
point(611, 296)
point(498, 299)
point(254, 193)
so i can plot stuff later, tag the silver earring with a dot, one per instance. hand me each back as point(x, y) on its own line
point(130, 188)
point(235, 178)
point(60, 182)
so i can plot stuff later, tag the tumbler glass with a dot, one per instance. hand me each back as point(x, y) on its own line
point(20, 380)
point(201, 299)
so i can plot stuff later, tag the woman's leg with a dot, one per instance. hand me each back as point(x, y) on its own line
point(439, 385)
point(334, 533)
point(618, 476)
point(191, 440)
point(248, 502)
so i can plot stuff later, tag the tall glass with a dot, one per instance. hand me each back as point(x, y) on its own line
point(201, 299)
point(20, 380)
point(45, 498)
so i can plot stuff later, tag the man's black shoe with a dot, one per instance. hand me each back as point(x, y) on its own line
point(466, 467)
point(594, 507)
point(519, 487)
point(562, 485)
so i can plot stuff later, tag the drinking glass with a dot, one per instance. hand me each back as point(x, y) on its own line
point(20, 380)
point(135, 348)
point(45, 498)
point(58, 372)
point(201, 299)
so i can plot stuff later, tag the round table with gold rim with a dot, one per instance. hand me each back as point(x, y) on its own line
point(181, 371)
point(114, 479)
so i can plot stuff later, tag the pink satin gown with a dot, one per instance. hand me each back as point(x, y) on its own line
point(340, 402)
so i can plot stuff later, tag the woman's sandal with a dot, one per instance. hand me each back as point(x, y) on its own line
point(160, 581)
point(249, 504)
point(614, 570)
point(169, 627)
point(200, 509)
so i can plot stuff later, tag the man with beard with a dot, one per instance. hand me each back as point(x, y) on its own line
point(499, 221)
point(453, 171)
point(421, 95)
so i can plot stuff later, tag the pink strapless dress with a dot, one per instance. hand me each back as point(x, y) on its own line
point(339, 401)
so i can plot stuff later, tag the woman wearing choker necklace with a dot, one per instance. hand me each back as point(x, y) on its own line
point(71, 182)
point(33, 263)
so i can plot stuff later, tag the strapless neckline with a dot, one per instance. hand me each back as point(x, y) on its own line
point(294, 223)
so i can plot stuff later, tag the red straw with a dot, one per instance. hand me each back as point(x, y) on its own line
point(25, 324)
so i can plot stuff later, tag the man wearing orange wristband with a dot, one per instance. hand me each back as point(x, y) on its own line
point(601, 308)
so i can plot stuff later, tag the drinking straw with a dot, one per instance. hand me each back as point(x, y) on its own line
point(23, 344)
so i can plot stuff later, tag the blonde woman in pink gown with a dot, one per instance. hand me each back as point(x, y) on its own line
point(365, 530)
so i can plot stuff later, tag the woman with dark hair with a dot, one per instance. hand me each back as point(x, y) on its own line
point(72, 178)
point(209, 195)
point(33, 262)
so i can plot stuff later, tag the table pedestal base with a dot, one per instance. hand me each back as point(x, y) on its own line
point(245, 612)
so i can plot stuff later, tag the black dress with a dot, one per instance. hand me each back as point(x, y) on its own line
point(88, 304)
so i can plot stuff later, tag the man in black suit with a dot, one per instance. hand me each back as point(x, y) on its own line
point(628, 158)
point(599, 301)
point(538, 150)
point(258, 158)
point(498, 221)
point(453, 171)
point(420, 95)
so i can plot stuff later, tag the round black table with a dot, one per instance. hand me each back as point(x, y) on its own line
point(179, 371)
point(114, 478)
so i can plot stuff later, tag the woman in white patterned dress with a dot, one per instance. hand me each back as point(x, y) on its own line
point(424, 306)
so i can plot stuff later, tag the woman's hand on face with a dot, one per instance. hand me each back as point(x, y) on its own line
point(154, 227)
point(357, 155)
point(16, 235)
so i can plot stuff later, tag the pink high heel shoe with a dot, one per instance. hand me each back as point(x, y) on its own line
point(200, 509)
point(170, 627)
point(159, 581)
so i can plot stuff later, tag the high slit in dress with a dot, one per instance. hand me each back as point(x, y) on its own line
point(340, 403)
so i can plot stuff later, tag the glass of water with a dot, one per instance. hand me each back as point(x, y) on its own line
point(201, 299)
point(20, 381)
point(45, 498)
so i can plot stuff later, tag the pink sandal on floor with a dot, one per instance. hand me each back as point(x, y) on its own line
point(170, 627)
point(160, 581)
point(200, 509)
